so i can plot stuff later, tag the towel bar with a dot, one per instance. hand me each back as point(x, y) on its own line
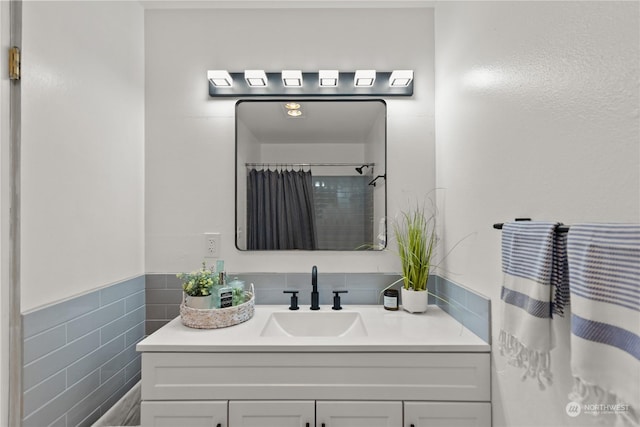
point(559, 228)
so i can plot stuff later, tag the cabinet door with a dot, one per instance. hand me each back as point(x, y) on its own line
point(449, 414)
point(358, 414)
point(271, 413)
point(183, 414)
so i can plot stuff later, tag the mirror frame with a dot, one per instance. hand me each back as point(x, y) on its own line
point(341, 100)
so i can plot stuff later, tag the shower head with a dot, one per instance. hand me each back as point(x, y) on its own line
point(359, 170)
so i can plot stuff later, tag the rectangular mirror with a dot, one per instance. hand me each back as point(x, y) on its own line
point(311, 175)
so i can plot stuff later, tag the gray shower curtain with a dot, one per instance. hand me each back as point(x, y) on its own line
point(280, 210)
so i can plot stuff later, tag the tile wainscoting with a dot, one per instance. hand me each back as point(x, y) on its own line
point(79, 355)
point(466, 306)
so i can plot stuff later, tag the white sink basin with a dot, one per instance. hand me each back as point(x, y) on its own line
point(314, 324)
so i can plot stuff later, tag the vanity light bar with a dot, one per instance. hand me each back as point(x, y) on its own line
point(251, 83)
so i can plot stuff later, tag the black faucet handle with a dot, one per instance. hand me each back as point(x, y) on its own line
point(294, 299)
point(336, 299)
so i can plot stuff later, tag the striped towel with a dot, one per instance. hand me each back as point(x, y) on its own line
point(532, 262)
point(604, 271)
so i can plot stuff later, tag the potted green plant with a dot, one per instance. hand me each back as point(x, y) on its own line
point(416, 238)
point(198, 286)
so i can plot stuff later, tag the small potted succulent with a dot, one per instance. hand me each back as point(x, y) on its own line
point(198, 286)
point(416, 237)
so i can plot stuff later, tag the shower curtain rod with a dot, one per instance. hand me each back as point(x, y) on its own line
point(308, 164)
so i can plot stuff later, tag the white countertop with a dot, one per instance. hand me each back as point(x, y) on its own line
point(387, 331)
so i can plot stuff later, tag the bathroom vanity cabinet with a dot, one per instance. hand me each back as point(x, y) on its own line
point(327, 413)
point(208, 378)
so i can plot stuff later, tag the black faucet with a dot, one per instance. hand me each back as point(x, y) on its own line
point(314, 290)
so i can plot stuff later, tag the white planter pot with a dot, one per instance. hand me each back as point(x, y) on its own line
point(201, 303)
point(414, 301)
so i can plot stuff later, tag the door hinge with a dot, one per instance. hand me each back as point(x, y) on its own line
point(14, 63)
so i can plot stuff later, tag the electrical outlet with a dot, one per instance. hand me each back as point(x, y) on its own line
point(212, 245)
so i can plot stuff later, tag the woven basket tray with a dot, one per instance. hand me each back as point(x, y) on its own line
point(218, 317)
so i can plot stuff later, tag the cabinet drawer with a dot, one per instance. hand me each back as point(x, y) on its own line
point(450, 414)
point(192, 414)
point(272, 413)
point(358, 414)
point(322, 376)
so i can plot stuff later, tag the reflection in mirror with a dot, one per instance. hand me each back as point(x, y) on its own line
point(305, 173)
